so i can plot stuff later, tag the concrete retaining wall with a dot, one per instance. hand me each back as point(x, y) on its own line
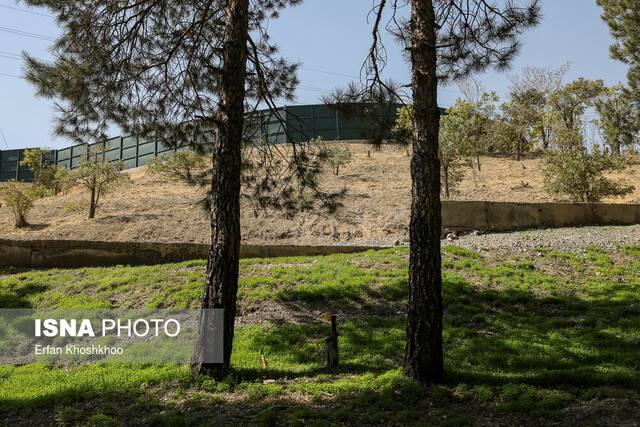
point(457, 216)
point(74, 253)
point(501, 216)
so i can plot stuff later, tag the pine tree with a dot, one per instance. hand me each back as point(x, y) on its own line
point(445, 40)
point(623, 18)
point(619, 119)
point(176, 71)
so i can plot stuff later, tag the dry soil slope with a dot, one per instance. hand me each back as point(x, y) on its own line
point(376, 208)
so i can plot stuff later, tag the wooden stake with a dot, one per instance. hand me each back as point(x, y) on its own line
point(331, 345)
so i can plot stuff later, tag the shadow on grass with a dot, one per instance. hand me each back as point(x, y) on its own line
point(18, 297)
point(518, 347)
point(491, 337)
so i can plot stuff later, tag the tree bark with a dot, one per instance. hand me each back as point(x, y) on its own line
point(221, 282)
point(20, 220)
point(423, 353)
point(92, 203)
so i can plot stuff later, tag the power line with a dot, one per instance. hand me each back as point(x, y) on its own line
point(331, 73)
point(26, 34)
point(25, 10)
point(11, 75)
point(9, 57)
point(3, 52)
point(314, 89)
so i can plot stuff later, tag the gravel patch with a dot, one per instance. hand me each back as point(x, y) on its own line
point(563, 239)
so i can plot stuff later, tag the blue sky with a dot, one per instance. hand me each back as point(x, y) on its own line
point(330, 38)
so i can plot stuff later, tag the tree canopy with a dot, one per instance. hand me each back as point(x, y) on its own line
point(623, 18)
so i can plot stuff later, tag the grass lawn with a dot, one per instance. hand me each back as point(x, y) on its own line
point(530, 339)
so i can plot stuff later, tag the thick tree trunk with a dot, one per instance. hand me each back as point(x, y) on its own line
point(221, 282)
point(423, 353)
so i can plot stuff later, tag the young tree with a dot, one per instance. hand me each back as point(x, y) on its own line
point(454, 132)
point(619, 119)
point(185, 166)
point(19, 198)
point(509, 137)
point(480, 115)
point(481, 107)
point(530, 93)
point(46, 175)
point(517, 130)
point(35, 159)
point(579, 175)
point(623, 18)
point(100, 178)
point(337, 155)
point(403, 128)
point(568, 107)
point(170, 71)
point(445, 41)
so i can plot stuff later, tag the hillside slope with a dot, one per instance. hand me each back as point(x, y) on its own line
point(376, 208)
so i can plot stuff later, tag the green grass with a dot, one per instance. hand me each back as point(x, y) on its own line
point(539, 336)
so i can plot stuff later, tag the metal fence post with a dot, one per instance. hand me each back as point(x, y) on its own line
point(286, 125)
point(18, 165)
point(137, 149)
point(313, 122)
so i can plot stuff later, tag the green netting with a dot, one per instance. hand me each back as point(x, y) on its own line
point(298, 123)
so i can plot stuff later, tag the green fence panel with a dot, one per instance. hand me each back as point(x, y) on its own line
point(113, 143)
point(298, 123)
point(10, 167)
point(143, 160)
point(129, 141)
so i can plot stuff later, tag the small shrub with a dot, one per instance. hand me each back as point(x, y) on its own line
point(74, 206)
point(20, 199)
point(336, 155)
point(403, 128)
point(183, 165)
point(579, 175)
point(46, 175)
